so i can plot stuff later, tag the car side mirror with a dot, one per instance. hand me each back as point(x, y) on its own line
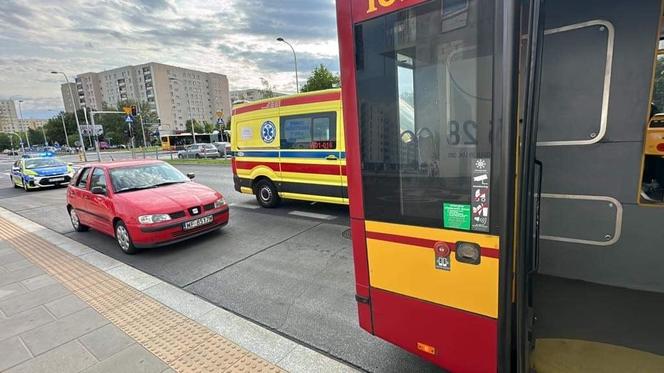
point(15, 169)
point(191, 175)
point(98, 190)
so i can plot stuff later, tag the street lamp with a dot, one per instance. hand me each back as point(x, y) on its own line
point(78, 124)
point(193, 129)
point(297, 81)
point(64, 126)
point(20, 111)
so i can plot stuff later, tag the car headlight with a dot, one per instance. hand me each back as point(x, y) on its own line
point(220, 202)
point(152, 219)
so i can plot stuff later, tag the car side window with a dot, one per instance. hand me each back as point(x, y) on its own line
point(98, 179)
point(83, 179)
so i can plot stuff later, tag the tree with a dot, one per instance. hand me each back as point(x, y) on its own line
point(321, 78)
point(197, 126)
point(208, 127)
point(55, 132)
point(5, 142)
point(115, 127)
point(35, 136)
point(268, 90)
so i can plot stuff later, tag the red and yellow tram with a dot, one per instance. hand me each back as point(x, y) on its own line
point(495, 159)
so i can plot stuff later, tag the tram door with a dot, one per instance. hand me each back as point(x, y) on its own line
point(599, 289)
point(424, 172)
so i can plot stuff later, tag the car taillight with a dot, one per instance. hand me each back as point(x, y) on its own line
point(660, 147)
point(233, 166)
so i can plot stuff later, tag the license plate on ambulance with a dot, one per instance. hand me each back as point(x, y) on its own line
point(191, 224)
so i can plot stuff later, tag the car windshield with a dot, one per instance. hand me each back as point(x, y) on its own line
point(146, 176)
point(43, 162)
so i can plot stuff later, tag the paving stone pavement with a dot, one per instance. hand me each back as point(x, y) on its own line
point(67, 308)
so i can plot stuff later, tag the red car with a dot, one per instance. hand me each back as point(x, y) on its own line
point(143, 203)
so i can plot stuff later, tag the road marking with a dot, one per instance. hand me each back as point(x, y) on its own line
point(252, 207)
point(312, 215)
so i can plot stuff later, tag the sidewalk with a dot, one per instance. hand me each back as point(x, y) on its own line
point(64, 307)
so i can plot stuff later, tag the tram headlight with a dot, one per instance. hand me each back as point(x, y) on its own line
point(467, 252)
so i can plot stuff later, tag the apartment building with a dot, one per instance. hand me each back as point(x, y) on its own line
point(251, 94)
point(174, 93)
point(8, 117)
point(33, 124)
point(70, 105)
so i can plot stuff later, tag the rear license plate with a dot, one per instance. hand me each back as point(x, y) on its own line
point(191, 224)
point(56, 179)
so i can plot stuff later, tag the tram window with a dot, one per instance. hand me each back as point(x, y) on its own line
point(312, 131)
point(425, 105)
point(652, 181)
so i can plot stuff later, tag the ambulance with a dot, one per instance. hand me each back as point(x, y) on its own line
point(290, 147)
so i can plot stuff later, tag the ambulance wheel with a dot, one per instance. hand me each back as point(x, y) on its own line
point(266, 194)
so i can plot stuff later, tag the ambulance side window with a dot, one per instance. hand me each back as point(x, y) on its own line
point(310, 131)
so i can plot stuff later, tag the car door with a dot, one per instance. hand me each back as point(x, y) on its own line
point(16, 175)
point(99, 204)
point(78, 195)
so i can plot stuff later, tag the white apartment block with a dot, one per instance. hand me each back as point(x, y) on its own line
point(67, 97)
point(174, 93)
point(251, 94)
point(8, 118)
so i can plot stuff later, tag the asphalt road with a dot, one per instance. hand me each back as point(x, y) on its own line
point(289, 269)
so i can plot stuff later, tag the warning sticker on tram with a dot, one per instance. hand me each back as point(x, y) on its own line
point(456, 216)
point(480, 191)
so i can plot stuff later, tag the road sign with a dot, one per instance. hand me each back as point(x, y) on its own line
point(127, 110)
point(129, 119)
point(220, 122)
point(87, 129)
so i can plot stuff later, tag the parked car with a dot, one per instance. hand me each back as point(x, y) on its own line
point(199, 151)
point(223, 147)
point(10, 152)
point(143, 203)
point(66, 150)
point(103, 145)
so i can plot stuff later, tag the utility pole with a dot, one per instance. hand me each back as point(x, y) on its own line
point(297, 80)
point(78, 124)
point(87, 125)
point(27, 135)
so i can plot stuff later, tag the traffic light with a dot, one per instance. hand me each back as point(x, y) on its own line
point(134, 110)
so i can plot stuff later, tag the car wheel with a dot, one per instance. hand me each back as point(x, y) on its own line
point(76, 221)
point(123, 238)
point(180, 156)
point(266, 194)
point(198, 156)
point(13, 182)
point(25, 186)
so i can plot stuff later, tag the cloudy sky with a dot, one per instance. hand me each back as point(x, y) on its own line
point(232, 37)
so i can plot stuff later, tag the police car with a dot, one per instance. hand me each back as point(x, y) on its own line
point(35, 171)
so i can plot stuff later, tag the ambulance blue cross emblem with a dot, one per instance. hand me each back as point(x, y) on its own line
point(268, 131)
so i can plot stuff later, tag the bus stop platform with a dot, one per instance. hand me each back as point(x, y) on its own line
point(65, 307)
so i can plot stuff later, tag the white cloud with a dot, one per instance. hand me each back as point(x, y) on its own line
point(232, 37)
